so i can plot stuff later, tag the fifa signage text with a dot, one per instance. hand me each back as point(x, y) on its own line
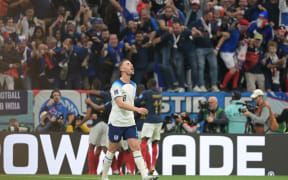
point(205, 144)
point(178, 154)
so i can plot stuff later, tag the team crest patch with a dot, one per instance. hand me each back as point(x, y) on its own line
point(116, 137)
point(116, 92)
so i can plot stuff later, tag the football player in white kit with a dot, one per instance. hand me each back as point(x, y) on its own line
point(122, 122)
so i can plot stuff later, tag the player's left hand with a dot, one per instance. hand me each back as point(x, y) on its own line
point(142, 111)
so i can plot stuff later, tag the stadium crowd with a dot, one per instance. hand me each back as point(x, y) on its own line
point(47, 44)
point(78, 44)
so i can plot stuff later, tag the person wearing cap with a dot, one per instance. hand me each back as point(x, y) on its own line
point(95, 30)
point(236, 119)
point(227, 53)
point(10, 61)
point(253, 66)
point(261, 26)
point(261, 119)
point(193, 13)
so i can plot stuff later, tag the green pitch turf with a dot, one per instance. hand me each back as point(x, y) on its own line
point(86, 177)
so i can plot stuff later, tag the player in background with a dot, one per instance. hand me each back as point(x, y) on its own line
point(152, 99)
point(139, 119)
point(121, 120)
point(99, 113)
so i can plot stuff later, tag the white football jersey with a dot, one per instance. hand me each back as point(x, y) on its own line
point(121, 117)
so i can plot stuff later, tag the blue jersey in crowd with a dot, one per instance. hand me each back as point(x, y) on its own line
point(116, 55)
point(100, 100)
point(56, 110)
point(230, 44)
point(266, 32)
point(152, 100)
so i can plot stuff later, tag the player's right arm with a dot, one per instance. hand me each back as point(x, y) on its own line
point(94, 106)
point(123, 105)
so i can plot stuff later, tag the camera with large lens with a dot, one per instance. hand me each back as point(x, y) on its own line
point(61, 117)
point(249, 126)
point(242, 110)
point(175, 115)
point(203, 104)
point(77, 118)
point(169, 119)
point(248, 107)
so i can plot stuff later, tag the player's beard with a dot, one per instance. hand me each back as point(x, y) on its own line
point(130, 74)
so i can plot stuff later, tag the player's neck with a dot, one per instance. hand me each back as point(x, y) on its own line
point(125, 78)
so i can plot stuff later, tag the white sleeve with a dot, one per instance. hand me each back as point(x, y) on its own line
point(283, 6)
point(116, 92)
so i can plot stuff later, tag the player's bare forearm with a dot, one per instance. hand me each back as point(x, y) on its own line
point(97, 107)
point(124, 105)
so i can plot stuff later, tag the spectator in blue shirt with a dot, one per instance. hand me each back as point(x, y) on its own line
point(114, 51)
point(75, 57)
point(227, 53)
point(148, 24)
point(96, 27)
point(128, 34)
point(261, 26)
point(55, 107)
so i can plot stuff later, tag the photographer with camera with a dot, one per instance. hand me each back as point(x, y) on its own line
point(184, 124)
point(234, 114)
point(50, 123)
point(264, 119)
point(15, 126)
point(213, 116)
